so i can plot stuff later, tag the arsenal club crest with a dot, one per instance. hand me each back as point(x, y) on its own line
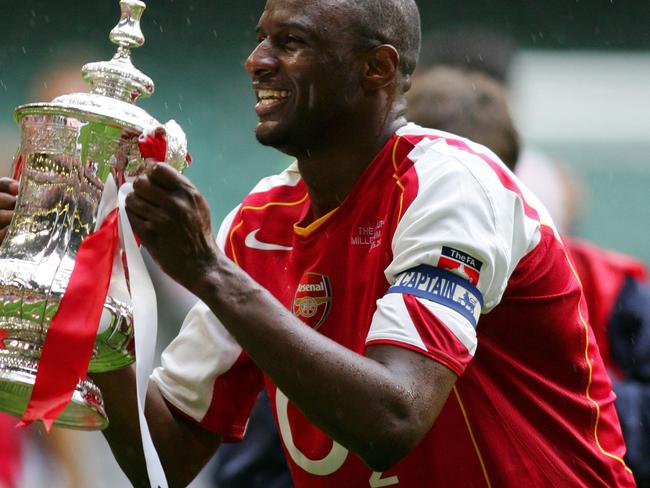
point(313, 299)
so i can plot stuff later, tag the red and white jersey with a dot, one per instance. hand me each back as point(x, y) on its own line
point(438, 249)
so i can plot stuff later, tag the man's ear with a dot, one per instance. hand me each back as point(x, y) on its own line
point(381, 67)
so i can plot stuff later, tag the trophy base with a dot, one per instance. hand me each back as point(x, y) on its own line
point(27, 308)
point(84, 412)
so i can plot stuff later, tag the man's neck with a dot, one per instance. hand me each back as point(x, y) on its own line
point(331, 171)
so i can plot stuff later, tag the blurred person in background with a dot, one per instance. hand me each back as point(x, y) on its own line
point(472, 104)
point(478, 48)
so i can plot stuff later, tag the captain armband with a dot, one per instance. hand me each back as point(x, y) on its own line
point(443, 287)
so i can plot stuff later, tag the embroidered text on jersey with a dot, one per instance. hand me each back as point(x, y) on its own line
point(441, 286)
point(368, 235)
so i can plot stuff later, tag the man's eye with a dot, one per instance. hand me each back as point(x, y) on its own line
point(292, 40)
point(260, 39)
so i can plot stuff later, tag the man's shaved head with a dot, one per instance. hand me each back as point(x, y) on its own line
point(394, 22)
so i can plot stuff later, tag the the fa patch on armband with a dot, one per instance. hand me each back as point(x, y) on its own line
point(443, 287)
point(461, 263)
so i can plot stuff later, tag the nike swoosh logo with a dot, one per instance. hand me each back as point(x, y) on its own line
point(252, 242)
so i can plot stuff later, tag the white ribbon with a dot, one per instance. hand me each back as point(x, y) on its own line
point(145, 324)
point(117, 287)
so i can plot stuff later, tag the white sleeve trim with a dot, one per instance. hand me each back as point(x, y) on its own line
point(392, 322)
point(201, 352)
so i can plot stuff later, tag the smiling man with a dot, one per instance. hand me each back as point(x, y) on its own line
point(409, 307)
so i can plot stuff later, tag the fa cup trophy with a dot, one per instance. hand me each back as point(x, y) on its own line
point(73, 151)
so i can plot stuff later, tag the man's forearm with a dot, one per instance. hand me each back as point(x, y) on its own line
point(123, 431)
point(183, 447)
point(356, 400)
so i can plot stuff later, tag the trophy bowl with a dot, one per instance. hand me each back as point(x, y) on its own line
point(69, 149)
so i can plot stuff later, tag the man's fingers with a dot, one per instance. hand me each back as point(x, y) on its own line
point(8, 185)
point(139, 225)
point(149, 191)
point(167, 177)
point(7, 202)
point(144, 210)
point(5, 218)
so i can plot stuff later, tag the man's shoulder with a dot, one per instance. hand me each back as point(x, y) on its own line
point(430, 147)
point(282, 191)
point(278, 189)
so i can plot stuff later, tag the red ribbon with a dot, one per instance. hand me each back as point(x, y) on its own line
point(18, 169)
point(71, 335)
point(153, 144)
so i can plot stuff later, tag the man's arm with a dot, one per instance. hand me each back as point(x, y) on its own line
point(183, 446)
point(379, 405)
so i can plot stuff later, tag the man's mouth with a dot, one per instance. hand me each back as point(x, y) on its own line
point(268, 100)
point(267, 97)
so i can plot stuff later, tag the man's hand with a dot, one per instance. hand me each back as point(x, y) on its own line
point(8, 193)
point(172, 219)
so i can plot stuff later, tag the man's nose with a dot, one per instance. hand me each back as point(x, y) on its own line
point(261, 61)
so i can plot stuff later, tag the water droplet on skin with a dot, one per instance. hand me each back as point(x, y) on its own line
point(311, 96)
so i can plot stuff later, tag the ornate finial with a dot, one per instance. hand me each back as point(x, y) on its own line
point(118, 78)
point(127, 33)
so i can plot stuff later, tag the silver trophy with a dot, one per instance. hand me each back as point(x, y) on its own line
point(69, 149)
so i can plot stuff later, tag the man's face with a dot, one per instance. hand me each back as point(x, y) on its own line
point(303, 71)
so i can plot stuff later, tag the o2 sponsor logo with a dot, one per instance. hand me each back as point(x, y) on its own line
point(328, 464)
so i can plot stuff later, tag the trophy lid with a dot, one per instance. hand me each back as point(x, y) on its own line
point(115, 85)
point(118, 78)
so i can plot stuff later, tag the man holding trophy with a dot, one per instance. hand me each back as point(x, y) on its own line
point(352, 285)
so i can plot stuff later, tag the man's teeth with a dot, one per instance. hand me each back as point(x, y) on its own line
point(267, 97)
